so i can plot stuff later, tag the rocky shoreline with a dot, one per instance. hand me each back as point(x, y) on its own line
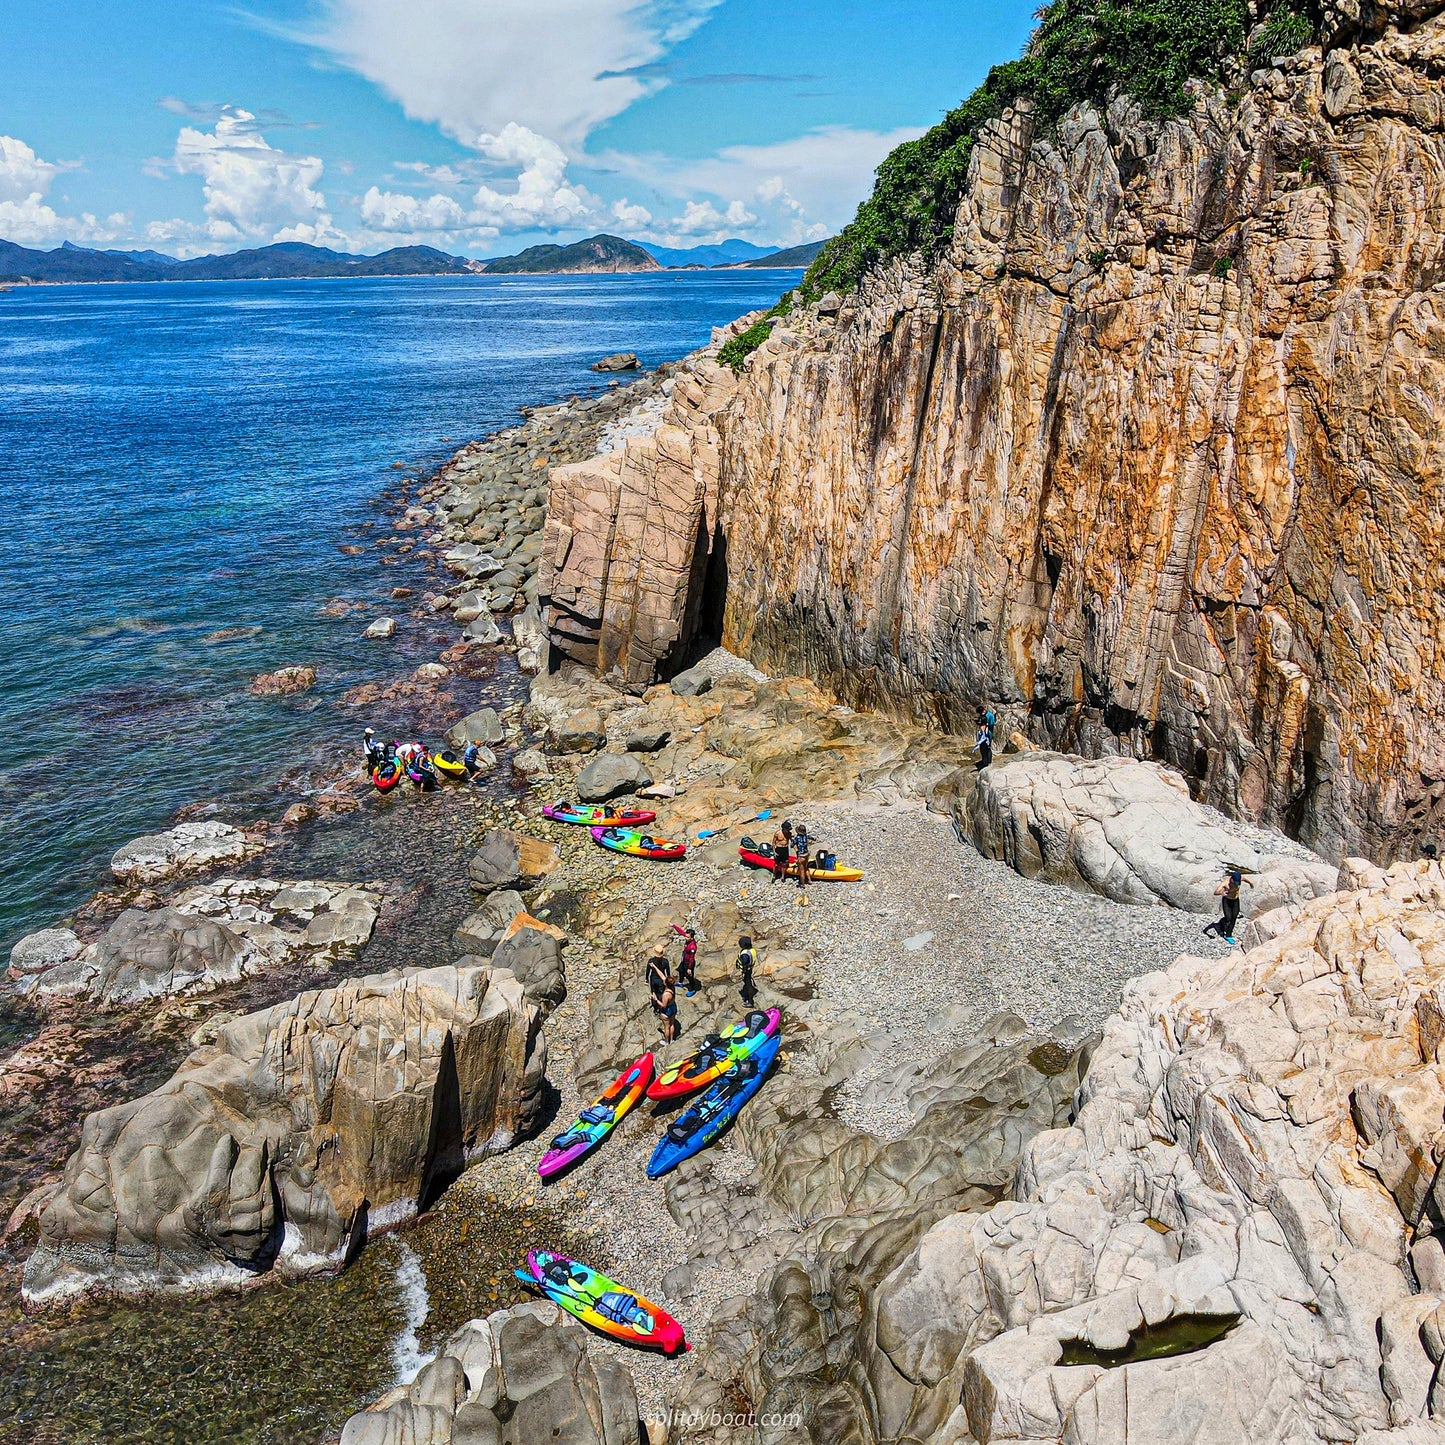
point(1027, 1156)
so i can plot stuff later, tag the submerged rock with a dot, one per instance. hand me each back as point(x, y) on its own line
point(284, 682)
point(280, 1144)
point(522, 1376)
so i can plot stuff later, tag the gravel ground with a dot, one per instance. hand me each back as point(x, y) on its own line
point(999, 942)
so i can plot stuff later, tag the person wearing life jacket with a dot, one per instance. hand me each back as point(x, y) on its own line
point(747, 962)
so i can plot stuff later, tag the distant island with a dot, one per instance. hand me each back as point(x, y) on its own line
point(294, 260)
point(597, 255)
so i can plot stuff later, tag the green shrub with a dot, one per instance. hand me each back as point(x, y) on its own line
point(1223, 265)
point(1081, 50)
point(741, 347)
point(1284, 33)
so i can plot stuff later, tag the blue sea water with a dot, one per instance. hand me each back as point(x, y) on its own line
point(182, 460)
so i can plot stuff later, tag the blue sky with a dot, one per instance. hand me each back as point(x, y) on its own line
point(480, 126)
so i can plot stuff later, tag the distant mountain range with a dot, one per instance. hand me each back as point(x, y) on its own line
point(292, 260)
point(725, 253)
point(793, 256)
point(288, 260)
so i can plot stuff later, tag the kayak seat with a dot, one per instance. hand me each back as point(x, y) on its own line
point(680, 1131)
point(598, 1114)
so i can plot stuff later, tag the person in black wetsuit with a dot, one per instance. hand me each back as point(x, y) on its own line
point(747, 962)
point(661, 993)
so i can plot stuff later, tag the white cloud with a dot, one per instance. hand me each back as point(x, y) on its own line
point(703, 220)
point(392, 211)
point(803, 189)
point(556, 67)
point(26, 216)
point(252, 190)
point(543, 199)
point(630, 217)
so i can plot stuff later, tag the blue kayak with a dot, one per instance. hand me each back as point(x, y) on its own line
point(696, 1127)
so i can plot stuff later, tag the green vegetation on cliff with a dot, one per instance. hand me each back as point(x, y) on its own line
point(1081, 51)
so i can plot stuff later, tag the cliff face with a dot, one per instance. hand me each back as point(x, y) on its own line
point(1151, 459)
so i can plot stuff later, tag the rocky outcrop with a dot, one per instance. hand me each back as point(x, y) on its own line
point(1149, 459)
point(186, 848)
point(520, 1376)
point(281, 1143)
point(1237, 1235)
point(209, 936)
point(508, 859)
point(628, 537)
point(1128, 830)
point(285, 681)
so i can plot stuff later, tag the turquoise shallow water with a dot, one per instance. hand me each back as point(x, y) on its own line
point(179, 460)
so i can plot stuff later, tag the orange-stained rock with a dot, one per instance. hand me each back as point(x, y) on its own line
point(1153, 460)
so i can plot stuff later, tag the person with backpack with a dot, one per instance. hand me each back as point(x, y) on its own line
point(983, 744)
point(747, 962)
point(800, 858)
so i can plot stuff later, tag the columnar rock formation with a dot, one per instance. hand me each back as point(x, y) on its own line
point(298, 1129)
point(1151, 458)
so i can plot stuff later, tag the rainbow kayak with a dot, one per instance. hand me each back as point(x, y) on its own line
point(718, 1054)
point(599, 817)
point(598, 1301)
point(598, 1119)
point(638, 845)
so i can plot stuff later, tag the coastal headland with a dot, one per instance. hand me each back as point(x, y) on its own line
point(1057, 577)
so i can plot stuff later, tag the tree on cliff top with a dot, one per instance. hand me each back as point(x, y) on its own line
point(1080, 51)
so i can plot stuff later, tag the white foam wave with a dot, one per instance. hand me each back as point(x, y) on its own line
point(407, 1356)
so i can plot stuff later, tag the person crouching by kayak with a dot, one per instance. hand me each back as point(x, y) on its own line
point(747, 962)
point(660, 991)
point(375, 753)
point(782, 848)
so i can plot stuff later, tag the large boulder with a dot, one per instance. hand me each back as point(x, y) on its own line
point(533, 951)
point(481, 931)
point(482, 726)
point(611, 776)
point(520, 1376)
point(281, 1143)
point(1128, 830)
point(182, 849)
point(508, 859)
point(579, 732)
point(284, 682)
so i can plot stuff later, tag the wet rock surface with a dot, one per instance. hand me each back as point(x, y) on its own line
point(520, 1375)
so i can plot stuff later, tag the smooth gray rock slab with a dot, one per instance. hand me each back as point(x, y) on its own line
point(482, 726)
point(611, 776)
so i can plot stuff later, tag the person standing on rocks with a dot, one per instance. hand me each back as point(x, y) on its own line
point(1228, 892)
point(662, 994)
point(782, 848)
point(375, 753)
point(747, 962)
point(983, 743)
point(687, 970)
point(801, 842)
